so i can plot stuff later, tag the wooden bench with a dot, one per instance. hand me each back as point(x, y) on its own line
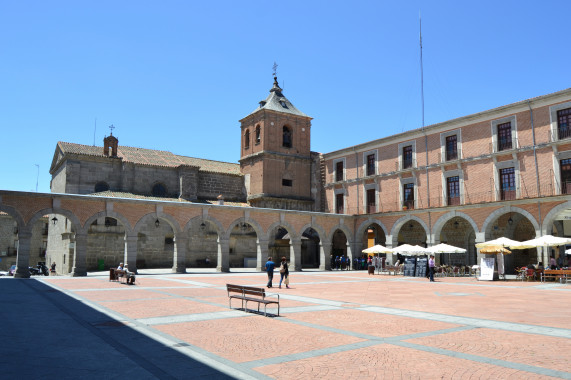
point(249, 293)
point(555, 274)
point(119, 275)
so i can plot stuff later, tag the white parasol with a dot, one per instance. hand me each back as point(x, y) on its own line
point(377, 249)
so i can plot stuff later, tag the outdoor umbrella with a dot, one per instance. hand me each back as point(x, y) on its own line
point(407, 249)
point(543, 241)
point(494, 249)
point(445, 248)
point(502, 242)
point(377, 249)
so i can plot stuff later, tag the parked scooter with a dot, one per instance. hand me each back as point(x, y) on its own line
point(38, 270)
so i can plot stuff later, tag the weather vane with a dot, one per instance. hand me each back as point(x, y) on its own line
point(111, 127)
point(275, 67)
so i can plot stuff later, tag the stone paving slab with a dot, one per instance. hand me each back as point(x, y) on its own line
point(342, 325)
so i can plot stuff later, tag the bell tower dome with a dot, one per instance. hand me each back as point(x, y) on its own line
point(275, 155)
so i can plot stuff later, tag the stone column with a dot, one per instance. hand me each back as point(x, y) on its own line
point(294, 254)
point(79, 268)
point(130, 257)
point(223, 264)
point(23, 258)
point(391, 257)
point(325, 256)
point(179, 259)
point(262, 254)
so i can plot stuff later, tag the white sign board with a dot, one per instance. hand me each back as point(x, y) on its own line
point(487, 269)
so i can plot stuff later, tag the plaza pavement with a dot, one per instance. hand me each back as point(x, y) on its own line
point(334, 325)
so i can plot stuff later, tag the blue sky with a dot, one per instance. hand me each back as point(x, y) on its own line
point(178, 75)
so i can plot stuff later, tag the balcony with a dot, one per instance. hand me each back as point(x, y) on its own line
point(405, 164)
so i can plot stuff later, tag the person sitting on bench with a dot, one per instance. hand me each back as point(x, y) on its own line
point(130, 276)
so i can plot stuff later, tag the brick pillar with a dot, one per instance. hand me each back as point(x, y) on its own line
point(262, 254)
point(324, 256)
point(295, 254)
point(23, 258)
point(79, 268)
point(223, 255)
point(130, 257)
point(179, 259)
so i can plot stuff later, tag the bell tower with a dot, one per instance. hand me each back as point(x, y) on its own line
point(275, 155)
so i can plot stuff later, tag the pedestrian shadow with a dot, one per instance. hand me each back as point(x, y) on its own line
point(49, 334)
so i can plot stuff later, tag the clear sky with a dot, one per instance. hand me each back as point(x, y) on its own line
point(178, 75)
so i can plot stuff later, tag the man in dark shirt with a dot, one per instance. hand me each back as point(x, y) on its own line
point(270, 265)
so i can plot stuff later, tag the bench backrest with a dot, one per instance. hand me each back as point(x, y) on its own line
point(557, 271)
point(249, 290)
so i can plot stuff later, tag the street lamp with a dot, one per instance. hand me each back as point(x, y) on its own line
point(54, 220)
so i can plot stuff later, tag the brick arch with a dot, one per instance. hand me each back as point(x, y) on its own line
point(549, 219)
point(318, 228)
point(111, 214)
point(255, 225)
point(157, 215)
point(442, 220)
point(59, 211)
point(14, 214)
point(346, 231)
point(504, 210)
point(294, 235)
point(400, 222)
point(196, 219)
point(365, 224)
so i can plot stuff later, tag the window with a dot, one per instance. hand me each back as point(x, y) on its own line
point(453, 190)
point(286, 140)
point(339, 203)
point(283, 104)
point(566, 176)
point(451, 148)
point(564, 123)
point(287, 182)
point(159, 190)
point(507, 184)
point(110, 222)
point(257, 134)
point(408, 196)
point(370, 164)
point(339, 171)
point(101, 187)
point(407, 157)
point(371, 201)
point(504, 136)
point(247, 139)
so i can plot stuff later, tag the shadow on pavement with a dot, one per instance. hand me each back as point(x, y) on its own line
point(48, 334)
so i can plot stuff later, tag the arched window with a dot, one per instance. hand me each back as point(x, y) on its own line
point(159, 190)
point(286, 142)
point(101, 187)
point(258, 134)
point(247, 139)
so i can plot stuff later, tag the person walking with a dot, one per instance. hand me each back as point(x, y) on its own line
point(270, 265)
point(284, 273)
point(431, 267)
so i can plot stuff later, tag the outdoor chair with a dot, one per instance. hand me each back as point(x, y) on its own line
point(529, 274)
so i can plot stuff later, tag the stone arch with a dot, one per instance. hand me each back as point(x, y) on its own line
point(442, 220)
point(345, 229)
point(549, 218)
point(400, 222)
point(504, 210)
point(255, 225)
point(294, 235)
point(67, 213)
point(157, 215)
point(365, 224)
point(111, 214)
point(320, 231)
point(14, 214)
point(207, 218)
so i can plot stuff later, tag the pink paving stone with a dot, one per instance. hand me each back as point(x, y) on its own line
point(390, 362)
point(122, 294)
point(159, 307)
point(530, 349)
point(254, 337)
point(86, 283)
point(364, 322)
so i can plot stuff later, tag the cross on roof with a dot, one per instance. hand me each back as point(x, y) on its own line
point(111, 127)
point(275, 67)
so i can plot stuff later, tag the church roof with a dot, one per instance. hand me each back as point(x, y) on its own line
point(126, 195)
point(151, 157)
point(276, 101)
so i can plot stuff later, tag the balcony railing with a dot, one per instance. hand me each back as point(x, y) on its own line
point(454, 201)
point(405, 164)
point(504, 144)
